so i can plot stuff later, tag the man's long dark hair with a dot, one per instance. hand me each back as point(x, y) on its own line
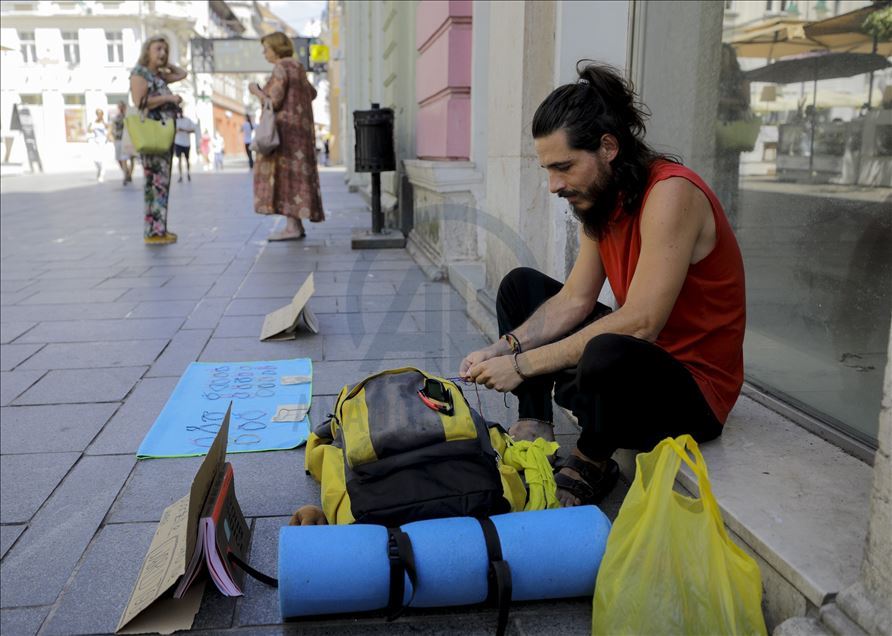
point(602, 102)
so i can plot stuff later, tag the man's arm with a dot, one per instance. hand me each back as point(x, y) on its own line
point(570, 306)
point(671, 222)
point(558, 315)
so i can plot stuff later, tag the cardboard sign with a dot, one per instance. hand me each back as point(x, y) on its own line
point(283, 323)
point(151, 608)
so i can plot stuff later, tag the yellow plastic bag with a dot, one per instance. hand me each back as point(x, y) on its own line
point(669, 566)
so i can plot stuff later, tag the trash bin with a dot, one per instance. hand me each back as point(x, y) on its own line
point(374, 140)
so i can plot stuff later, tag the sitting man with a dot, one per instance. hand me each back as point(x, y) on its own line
point(669, 360)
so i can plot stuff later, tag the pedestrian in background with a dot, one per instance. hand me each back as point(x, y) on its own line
point(248, 137)
point(121, 156)
point(149, 81)
point(98, 131)
point(219, 146)
point(287, 181)
point(182, 143)
point(204, 148)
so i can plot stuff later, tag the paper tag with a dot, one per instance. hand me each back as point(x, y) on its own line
point(295, 379)
point(291, 412)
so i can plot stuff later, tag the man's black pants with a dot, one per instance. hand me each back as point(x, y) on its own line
point(625, 392)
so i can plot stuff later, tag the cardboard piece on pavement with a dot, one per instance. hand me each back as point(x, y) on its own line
point(151, 607)
point(283, 323)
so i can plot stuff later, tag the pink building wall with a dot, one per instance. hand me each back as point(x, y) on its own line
point(443, 79)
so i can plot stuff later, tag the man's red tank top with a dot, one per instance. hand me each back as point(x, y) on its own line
point(705, 329)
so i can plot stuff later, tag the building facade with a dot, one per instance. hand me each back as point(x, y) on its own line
point(63, 60)
point(808, 200)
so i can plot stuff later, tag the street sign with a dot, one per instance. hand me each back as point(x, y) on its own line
point(239, 55)
point(21, 120)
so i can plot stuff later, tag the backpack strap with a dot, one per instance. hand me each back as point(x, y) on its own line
point(402, 563)
point(257, 574)
point(499, 577)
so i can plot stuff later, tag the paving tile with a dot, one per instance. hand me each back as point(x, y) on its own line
point(13, 298)
point(216, 611)
point(367, 323)
point(55, 313)
point(239, 327)
point(259, 481)
point(63, 284)
point(378, 346)
point(51, 429)
point(38, 565)
point(126, 430)
point(262, 306)
point(8, 535)
point(207, 314)
point(154, 485)
point(266, 264)
point(103, 330)
point(22, 621)
point(12, 355)
point(250, 349)
point(226, 287)
point(396, 276)
point(27, 480)
point(9, 331)
point(192, 280)
point(86, 272)
point(260, 604)
point(82, 385)
point(14, 383)
point(133, 282)
point(183, 349)
point(422, 300)
point(93, 355)
point(166, 293)
point(8, 286)
point(193, 269)
point(163, 309)
point(93, 601)
point(61, 297)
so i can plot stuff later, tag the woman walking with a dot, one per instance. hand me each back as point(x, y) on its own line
point(121, 155)
point(98, 138)
point(149, 80)
point(287, 181)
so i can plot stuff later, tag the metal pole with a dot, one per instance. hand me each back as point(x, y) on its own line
point(814, 125)
point(377, 216)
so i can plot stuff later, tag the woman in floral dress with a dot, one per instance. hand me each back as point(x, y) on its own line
point(149, 78)
point(287, 181)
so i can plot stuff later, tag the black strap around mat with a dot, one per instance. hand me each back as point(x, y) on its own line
point(499, 576)
point(402, 563)
point(257, 574)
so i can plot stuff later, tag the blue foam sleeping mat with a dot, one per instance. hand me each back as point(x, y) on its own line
point(337, 569)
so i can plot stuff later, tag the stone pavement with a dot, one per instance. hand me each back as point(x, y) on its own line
point(96, 330)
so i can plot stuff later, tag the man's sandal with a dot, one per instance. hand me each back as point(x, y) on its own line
point(593, 484)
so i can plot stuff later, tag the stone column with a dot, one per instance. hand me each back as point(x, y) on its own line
point(443, 180)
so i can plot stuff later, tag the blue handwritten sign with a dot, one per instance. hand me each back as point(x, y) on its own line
point(258, 390)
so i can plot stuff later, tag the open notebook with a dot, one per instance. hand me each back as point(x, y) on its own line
point(221, 530)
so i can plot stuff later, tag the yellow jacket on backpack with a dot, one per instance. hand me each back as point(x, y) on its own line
point(526, 476)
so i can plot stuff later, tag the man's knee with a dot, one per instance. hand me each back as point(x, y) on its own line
point(603, 354)
point(514, 279)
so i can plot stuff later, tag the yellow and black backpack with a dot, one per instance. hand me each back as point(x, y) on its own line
point(403, 445)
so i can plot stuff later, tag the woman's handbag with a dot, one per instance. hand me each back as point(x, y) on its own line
point(149, 136)
point(266, 135)
point(670, 566)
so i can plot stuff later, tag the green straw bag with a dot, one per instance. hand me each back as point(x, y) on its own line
point(150, 136)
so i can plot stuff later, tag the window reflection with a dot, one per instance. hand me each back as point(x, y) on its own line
point(804, 170)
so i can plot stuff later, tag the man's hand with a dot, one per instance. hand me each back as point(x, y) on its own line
point(499, 348)
point(496, 373)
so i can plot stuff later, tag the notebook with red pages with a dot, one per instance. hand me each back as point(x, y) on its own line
point(221, 530)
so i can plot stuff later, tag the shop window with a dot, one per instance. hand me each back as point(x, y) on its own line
point(31, 99)
point(801, 160)
point(114, 98)
point(808, 200)
point(71, 48)
point(28, 46)
point(115, 46)
point(75, 118)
